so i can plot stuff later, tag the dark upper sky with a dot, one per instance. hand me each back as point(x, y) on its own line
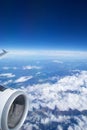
point(43, 24)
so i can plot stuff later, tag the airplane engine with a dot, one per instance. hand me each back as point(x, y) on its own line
point(13, 108)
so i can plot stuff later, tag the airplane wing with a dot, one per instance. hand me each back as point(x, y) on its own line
point(3, 52)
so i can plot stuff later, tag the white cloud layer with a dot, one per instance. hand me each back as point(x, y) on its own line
point(68, 92)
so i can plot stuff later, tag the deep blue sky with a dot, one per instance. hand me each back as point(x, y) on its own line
point(43, 24)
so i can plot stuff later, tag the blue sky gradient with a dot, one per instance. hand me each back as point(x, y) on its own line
point(43, 24)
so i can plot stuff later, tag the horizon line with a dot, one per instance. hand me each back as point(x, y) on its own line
point(49, 53)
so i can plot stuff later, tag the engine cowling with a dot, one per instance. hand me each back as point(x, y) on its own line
point(13, 108)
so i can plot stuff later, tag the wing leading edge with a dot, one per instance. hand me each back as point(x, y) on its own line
point(3, 52)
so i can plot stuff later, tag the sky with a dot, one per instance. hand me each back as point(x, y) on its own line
point(43, 24)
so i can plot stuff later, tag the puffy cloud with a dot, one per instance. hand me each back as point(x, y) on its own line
point(62, 105)
point(23, 79)
point(68, 92)
point(7, 75)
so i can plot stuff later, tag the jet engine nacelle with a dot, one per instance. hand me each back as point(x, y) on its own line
point(13, 108)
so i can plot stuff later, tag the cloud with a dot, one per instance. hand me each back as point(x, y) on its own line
point(58, 61)
point(23, 79)
point(7, 68)
point(38, 73)
point(53, 78)
point(68, 92)
point(7, 82)
point(31, 67)
point(7, 75)
point(62, 105)
point(14, 68)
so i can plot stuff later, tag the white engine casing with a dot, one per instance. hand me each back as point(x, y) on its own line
point(13, 109)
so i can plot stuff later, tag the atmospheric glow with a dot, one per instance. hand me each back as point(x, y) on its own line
point(49, 53)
